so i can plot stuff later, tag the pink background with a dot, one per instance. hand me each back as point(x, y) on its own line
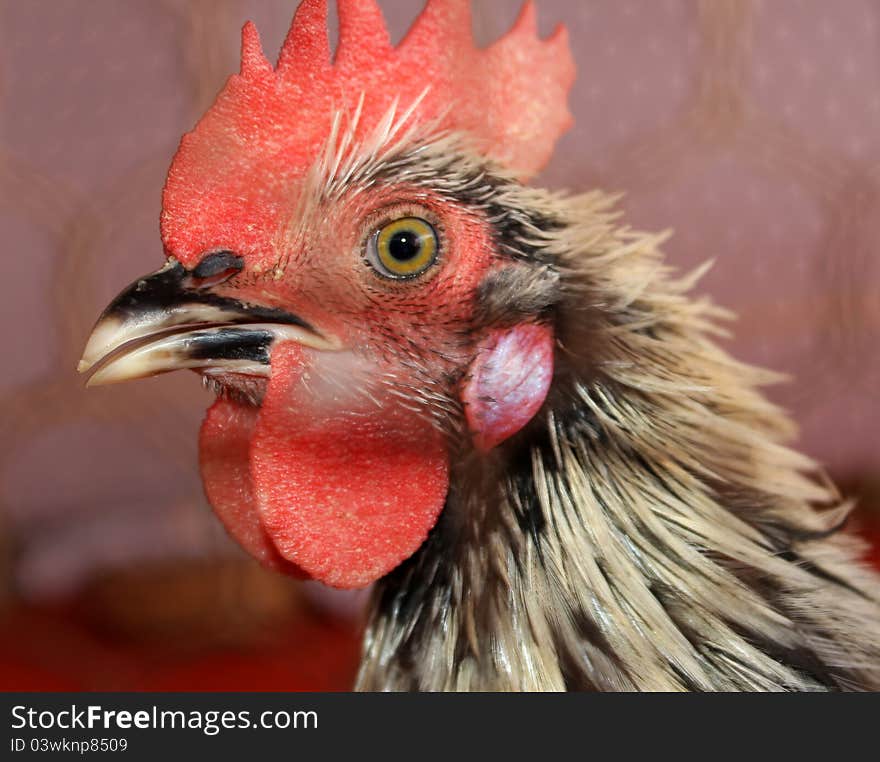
point(751, 128)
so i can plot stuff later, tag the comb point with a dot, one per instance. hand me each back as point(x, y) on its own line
point(307, 44)
point(253, 59)
point(363, 35)
point(527, 22)
point(508, 101)
point(440, 18)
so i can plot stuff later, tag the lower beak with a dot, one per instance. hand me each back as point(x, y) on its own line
point(172, 320)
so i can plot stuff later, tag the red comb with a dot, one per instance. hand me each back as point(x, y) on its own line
point(510, 97)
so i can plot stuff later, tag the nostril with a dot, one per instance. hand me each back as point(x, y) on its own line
point(216, 268)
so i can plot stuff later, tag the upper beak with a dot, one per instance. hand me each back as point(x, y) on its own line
point(172, 319)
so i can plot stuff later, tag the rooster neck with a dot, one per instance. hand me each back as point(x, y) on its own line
point(648, 530)
point(573, 563)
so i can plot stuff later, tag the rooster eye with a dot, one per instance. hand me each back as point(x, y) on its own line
point(403, 248)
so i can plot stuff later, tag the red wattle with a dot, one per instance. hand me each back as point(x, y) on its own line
point(224, 451)
point(344, 494)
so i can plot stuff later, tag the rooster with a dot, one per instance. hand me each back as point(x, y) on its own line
point(493, 401)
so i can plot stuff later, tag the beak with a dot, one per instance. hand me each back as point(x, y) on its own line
point(173, 319)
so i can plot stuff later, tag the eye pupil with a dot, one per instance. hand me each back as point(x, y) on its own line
point(403, 248)
point(404, 245)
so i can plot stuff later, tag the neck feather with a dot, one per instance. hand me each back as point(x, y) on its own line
point(649, 530)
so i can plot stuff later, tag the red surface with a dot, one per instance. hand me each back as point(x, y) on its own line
point(870, 530)
point(59, 648)
point(54, 648)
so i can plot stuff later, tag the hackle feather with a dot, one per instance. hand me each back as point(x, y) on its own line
point(650, 530)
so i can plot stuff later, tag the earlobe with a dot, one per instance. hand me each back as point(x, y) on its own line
point(507, 382)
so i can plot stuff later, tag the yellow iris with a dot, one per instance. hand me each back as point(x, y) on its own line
point(405, 248)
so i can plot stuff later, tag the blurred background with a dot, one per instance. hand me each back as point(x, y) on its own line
point(750, 128)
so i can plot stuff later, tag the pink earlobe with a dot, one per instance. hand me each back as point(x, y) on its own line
point(508, 382)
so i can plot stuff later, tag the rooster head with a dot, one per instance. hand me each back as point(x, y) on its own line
point(348, 268)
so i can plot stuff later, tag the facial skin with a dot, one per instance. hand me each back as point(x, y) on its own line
point(416, 330)
point(349, 381)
